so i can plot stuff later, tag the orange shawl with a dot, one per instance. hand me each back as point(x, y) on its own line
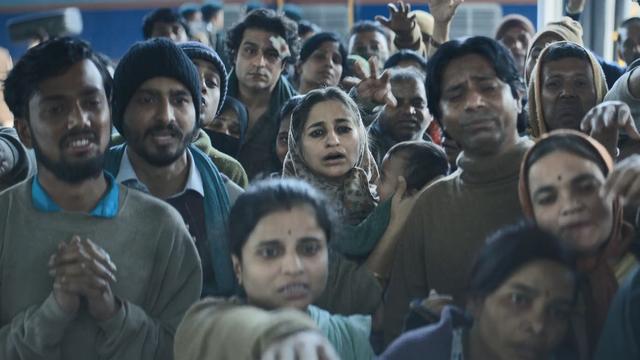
point(601, 282)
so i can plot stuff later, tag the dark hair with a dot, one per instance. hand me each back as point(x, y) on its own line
point(164, 15)
point(210, 10)
point(561, 50)
point(424, 162)
point(490, 49)
point(306, 26)
point(269, 196)
point(406, 75)
point(317, 40)
point(508, 250)
point(406, 55)
point(48, 59)
point(288, 107)
point(572, 144)
point(231, 103)
point(267, 20)
point(629, 21)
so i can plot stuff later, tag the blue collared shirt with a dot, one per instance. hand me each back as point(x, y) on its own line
point(107, 207)
point(127, 176)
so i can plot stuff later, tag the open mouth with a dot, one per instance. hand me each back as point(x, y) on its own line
point(334, 157)
point(79, 142)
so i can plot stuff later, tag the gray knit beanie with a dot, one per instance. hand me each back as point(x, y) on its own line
point(197, 50)
point(158, 57)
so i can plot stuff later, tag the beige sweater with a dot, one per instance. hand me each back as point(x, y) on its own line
point(447, 227)
point(221, 329)
point(158, 278)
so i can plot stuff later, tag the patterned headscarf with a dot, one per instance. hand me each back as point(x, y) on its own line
point(355, 195)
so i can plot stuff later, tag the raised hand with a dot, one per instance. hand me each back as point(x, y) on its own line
point(604, 121)
point(399, 20)
point(374, 88)
point(624, 181)
point(301, 345)
point(443, 10)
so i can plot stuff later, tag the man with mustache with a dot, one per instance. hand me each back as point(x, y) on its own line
point(156, 108)
point(83, 273)
point(405, 122)
point(261, 46)
point(474, 91)
point(565, 84)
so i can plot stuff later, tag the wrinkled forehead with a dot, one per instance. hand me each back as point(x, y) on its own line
point(259, 37)
point(469, 67)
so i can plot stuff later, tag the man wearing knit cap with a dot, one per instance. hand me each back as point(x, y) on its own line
point(261, 46)
point(515, 32)
point(89, 268)
point(213, 83)
point(156, 108)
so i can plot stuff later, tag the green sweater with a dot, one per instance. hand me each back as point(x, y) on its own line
point(158, 278)
point(448, 226)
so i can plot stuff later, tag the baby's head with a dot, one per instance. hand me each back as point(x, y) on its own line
point(419, 162)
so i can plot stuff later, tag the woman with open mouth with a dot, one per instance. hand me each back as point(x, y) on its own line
point(328, 147)
point(279, 233)
point(569, 186)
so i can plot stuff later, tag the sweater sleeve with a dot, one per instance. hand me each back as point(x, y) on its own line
point(359, 240)
point(214, 328)
point(351, 288)
point(35, 333)
point(408, 275)
point(136, 333)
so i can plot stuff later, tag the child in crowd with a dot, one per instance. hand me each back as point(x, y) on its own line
point(418, 162)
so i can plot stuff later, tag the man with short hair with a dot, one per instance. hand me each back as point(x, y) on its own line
point(405, 122)
point(474, 91)
point(84, 273)
point(628, 41)
point(261, 46)
point(156, 108)
point(165, 22)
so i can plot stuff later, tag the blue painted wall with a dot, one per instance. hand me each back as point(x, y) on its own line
point(113, 31)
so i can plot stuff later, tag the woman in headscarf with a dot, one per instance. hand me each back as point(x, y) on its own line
point(328, 147)
point(228, 128)
point(562, 181)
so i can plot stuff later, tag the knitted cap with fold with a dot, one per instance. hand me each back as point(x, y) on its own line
point(158, 57)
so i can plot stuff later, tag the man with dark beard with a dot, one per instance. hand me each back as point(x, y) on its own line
point(82, 274)
point(156, 108)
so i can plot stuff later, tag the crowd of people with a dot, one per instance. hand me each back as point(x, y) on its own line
point(277, 191)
